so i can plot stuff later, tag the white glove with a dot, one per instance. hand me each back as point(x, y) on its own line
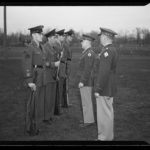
point(61, 54)
point(57, 63)
point(32, 86)
point(80, 85)
point(96, 95)
point(47, 64)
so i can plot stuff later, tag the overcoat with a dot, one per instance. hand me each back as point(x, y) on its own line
point(105, 71)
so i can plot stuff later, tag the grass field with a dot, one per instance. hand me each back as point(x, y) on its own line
point(131, 105)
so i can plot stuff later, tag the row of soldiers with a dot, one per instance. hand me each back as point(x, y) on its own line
point(47, 69)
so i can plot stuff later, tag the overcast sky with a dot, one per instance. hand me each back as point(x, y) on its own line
point(80, 18)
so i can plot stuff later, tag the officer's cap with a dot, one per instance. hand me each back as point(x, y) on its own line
point(50, 33)
point(107, 32)
point(60, 32)
point(37, 29)
point(87, 37)
point(69, 33)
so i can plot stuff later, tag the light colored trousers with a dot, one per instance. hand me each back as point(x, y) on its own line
point(87, 104)
point(105, 118)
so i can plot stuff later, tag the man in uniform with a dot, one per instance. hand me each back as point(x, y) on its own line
point(50, 72)
point(67, 56)
point(85, 80)
point(61, 72)
point(105, 85)
point(33, 69)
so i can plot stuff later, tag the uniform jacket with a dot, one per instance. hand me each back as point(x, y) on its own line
point(63, 59)
point(85, 67)
point(32, 56)
point(51, 57)
point(105, 72)
point(68, 57)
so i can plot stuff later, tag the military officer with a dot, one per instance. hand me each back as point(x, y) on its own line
point(50, 72)
point(105, 85)
point(67, 55)
point(33, 59)
point(85, 80)
point(61, 71)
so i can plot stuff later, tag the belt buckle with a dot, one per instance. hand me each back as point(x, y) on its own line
point(35, 66)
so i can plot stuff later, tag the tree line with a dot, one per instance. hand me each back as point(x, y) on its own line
point(140, 37)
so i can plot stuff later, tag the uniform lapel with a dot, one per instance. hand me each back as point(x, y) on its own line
point(85, 52)
point(104, 49)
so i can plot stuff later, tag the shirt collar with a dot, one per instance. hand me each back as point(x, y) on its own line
point(86, 50)
point(35, 44)
point(106, 46)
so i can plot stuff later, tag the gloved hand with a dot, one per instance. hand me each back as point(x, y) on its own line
point(61, 54)
point(57, 63)
point(80, 85)
point(32, 86)
point(47, 64)
point(96, 95)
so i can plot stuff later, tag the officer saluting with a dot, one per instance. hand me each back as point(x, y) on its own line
point(105, 85)
point(33, 58)
point(85, 80)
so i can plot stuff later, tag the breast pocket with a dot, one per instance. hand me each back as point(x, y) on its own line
point(37, 59)
point(40, 77)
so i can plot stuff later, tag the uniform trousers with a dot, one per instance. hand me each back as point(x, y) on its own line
point(60, 95)
point(87, 104)
point(49, 100)
point(105, 118)
point(63, 93)
point(34, 109)
point(57, 108)
point(40, 106)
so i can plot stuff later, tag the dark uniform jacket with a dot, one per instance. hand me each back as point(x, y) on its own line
point(52, 56)
point(105, 72)
point(85, 67)
point(67, 56)
point(67, 51)
point(63, 59)
point(37, 56)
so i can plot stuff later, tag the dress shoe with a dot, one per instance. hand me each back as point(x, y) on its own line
point(70, 105)
point(85, 124)
point(33, 133)
point(66, 106)
point(98, 140)
point(81, 121)
point(48, 122)
point(58, 113)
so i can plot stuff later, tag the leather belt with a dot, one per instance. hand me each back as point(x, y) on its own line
point(62, 61)
point(37, 66)
point(69, 59)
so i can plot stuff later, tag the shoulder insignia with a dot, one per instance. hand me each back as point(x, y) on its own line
point(89, 54)
point(106, 54)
